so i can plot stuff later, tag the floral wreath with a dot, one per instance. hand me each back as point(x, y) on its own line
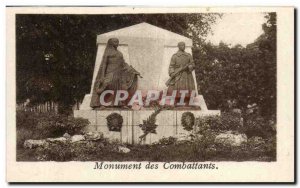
point(114, 122)
point(188, 121)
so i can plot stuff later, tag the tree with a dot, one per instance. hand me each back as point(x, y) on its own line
point(266, 72)
point(246, 75)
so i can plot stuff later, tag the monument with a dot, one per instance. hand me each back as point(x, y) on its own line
point(147, 52)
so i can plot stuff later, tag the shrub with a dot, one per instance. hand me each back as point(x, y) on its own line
point(22, 135)
point(231, 121)
point(32, 125)
point(206, 123)
point(225, 122)
point(167, 141)
point(253, 124)
point(270, 147)
point(204, 146)
point(60, 124)
point(26, 120)
point(256, 149)
point(55, 152)
point(256, 125)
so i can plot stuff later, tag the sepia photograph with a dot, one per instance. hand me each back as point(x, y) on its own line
point(176, 90)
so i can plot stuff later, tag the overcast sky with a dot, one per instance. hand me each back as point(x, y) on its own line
point(237, 28)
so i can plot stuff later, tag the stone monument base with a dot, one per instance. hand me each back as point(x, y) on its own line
point(168, 121)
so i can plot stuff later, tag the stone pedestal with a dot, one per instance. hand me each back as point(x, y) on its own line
point(168, 121)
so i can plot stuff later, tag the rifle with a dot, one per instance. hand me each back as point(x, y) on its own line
point(171, 79)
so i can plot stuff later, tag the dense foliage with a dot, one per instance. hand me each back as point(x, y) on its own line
point(253, 125)
point(225, 122)
point(46, 125)
point(241, 75)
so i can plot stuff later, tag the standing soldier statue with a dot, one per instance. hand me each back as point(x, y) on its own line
point(180, 72)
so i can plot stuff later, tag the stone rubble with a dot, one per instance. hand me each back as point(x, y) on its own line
point(230, 138)
point(93, 136)
point(57, 140)
point(184, 137)
point(77, 138)
point(67, 136)
point(35, 143)
point(90, 136)
point(123, 149)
